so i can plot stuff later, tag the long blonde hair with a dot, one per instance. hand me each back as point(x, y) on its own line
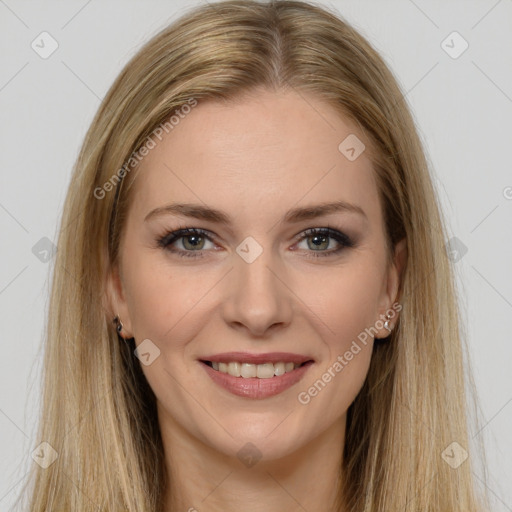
point(98, 411)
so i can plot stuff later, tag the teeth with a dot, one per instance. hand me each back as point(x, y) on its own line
point(248, 370)
point(234, 369)
point(279, 369)
point(265, 371)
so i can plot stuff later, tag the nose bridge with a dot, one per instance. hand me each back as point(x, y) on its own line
point(258, 298)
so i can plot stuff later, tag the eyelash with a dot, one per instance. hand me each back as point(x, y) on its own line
point(173, 236)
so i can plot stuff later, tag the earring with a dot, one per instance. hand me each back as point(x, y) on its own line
point(119, 325)
point(386, 323)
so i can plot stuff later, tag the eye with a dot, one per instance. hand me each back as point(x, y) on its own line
point(193, 240)
point(318, 239)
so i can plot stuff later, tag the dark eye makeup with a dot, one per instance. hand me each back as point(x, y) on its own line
point(195, 236)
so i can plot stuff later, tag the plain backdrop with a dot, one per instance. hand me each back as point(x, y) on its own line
point(458, 85)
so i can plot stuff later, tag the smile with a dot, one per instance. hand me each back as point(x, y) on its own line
point(248, 370)
point(256, 380)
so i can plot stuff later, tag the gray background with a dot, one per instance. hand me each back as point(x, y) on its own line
point(463, 107)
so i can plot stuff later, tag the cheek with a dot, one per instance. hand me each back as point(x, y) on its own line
point(346, 299)
point(163, 301)
point(347, 306)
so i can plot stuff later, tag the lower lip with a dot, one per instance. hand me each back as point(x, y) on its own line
point(254, 387)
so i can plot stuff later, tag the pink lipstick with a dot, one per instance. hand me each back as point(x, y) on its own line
point(256, 376)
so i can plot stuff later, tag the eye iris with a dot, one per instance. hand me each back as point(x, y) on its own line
point(194, 245)
point(320, 238)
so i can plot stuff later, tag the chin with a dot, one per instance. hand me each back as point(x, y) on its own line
point(263, 441)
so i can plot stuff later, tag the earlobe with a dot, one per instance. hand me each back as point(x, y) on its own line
point(396, 272)
point(119, 326)
point(115, 304)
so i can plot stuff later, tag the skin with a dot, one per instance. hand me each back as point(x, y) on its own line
point(254, 159)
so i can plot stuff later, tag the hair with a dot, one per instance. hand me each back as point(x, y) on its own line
point(98, 411)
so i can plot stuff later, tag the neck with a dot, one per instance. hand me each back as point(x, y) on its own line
point(202, 478)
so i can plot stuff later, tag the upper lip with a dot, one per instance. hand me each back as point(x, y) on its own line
point(247, 357)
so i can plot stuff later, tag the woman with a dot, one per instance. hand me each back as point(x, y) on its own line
point(252, 305)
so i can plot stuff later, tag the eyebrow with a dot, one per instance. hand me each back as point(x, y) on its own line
point(199, 211)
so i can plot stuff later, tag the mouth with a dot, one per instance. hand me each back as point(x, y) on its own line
point(256, 376)
point(250, 370)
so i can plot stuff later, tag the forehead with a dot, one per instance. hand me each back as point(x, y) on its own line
point(264, 152)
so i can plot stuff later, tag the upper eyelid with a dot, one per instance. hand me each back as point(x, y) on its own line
point(179, 233)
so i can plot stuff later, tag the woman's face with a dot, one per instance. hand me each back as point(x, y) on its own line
point(251, 175)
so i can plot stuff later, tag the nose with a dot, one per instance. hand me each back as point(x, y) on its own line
point(258, 297)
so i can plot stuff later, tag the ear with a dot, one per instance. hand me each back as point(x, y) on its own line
point(394, 278)
point(115, 302)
